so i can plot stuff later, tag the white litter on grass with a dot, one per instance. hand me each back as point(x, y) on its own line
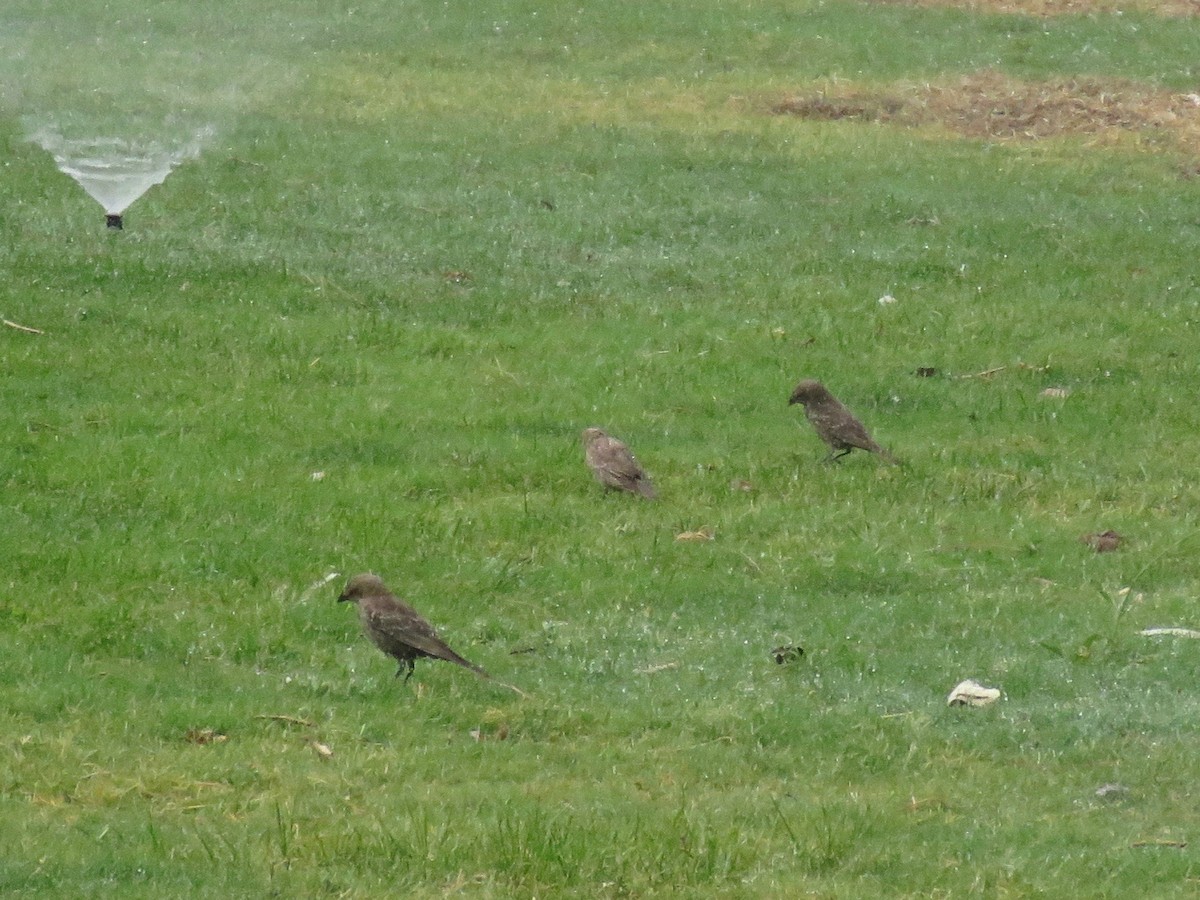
point(886, 299)
point(1174, 632)
point(972, 693)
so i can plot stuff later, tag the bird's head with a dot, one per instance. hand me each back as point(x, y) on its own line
point(591, 435)
point(360, 586)
point(808, 391)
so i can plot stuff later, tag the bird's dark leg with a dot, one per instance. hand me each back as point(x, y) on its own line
point(407, 666)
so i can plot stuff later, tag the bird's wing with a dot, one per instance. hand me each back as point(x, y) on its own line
point(613, 458)
point(836, 421)
point(856, 435)
point(403, 623)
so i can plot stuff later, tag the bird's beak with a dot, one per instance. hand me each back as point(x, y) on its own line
point(792, 401)
point(343, 598)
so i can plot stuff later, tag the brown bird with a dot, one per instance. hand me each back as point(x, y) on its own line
point(614, 466)
point(834, 423)
point(395, 627)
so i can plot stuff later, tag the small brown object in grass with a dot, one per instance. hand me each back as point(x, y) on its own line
point(1104, 541)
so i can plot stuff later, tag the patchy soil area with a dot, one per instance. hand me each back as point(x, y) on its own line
point(1045, 8)
point(991, 105)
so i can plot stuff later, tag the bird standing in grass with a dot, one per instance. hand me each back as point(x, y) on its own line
point(834, 423)
point(614, 466)
point(395, 627)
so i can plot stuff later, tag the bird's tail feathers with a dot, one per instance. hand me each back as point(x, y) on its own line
point(478, 670)
point(467, 664)
point(888, 457)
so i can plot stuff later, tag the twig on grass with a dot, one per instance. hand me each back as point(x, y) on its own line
point(750, 559)
point(322, 282)
point(316, 586)
point(985, 373)
point(512, 687)
point(290, 720)
point(661, 667)
point(784, 822)
point(27, 329)
point(988, 373)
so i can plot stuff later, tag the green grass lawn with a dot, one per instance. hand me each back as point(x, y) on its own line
point(428, 245)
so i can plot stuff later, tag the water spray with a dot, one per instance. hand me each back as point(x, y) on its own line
point(116, 172)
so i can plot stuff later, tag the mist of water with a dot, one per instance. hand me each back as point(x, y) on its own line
point(116, 171)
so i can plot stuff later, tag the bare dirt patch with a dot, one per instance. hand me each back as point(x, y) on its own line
point(1047, 8)
point(990, 105)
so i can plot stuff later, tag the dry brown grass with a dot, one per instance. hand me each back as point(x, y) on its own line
point(988, 104)
point(1046, 8)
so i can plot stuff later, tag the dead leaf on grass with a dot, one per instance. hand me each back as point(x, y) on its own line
point(704, 534)
point(1104, 541)
point(500, 734)
point(205, 736)
point(322, 750)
